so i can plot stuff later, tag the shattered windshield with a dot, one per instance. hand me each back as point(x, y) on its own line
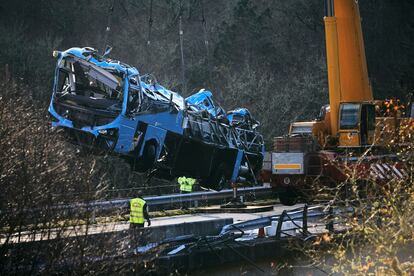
point(82, 83)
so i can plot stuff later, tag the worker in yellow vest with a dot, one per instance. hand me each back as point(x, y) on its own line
point(139, 212)
point(137, 217)
point(186, 186)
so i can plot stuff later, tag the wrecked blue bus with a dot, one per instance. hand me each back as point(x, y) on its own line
point(107, 106)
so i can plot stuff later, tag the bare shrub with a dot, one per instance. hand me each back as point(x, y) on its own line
point(378, 238)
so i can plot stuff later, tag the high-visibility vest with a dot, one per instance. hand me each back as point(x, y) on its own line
point(182, 182)
point(186, 184)
point(137, 210)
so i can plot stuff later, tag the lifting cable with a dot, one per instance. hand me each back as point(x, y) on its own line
point(181, 33)
point(149, 25)
point(205, 34)
point(147, 46)
point(108, 24)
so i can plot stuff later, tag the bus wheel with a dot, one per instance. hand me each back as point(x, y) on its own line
point(148, 156)
point(219, 178)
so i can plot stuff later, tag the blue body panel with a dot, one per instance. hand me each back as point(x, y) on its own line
point(203, 100)
point(241, 112)
point(127, 127)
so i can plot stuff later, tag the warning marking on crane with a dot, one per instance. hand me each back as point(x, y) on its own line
point(287, 166)
point(386, 171)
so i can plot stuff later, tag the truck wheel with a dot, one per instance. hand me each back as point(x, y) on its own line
point(288, 198)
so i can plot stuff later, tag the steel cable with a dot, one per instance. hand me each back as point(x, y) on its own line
point(108, 25)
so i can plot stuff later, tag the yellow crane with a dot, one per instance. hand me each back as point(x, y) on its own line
point(350, 120)
point(352, 113)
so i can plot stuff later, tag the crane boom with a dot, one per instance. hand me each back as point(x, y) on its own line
point(346, 61)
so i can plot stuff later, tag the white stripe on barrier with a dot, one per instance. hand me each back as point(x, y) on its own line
point(397, 172)
point(377, 172)
point(387, 168)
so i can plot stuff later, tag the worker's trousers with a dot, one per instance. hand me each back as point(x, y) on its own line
point(136, 234)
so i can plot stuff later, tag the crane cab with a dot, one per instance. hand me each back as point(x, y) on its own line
point(356, 124)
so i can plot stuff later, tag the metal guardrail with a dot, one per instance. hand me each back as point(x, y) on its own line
point(172, 199)
point(154, 200)
point(204, 196)
point(319, 214)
